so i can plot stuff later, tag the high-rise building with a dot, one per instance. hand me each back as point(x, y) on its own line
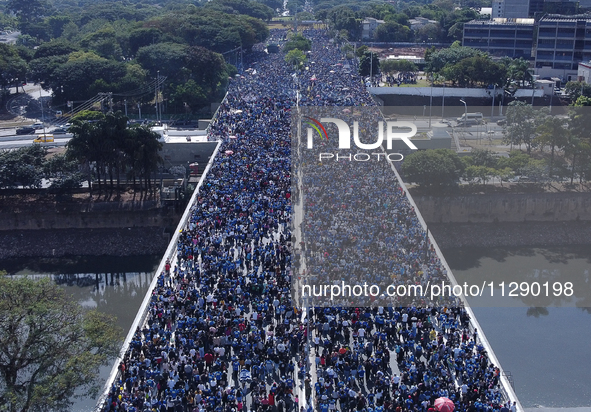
point(514, 9)
point(510, 9)
point(501, 37)
point(562, 42)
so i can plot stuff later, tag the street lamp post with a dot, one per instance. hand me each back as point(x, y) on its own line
point(465, 112)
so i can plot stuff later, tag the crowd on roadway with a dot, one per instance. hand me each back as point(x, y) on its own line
point(223, 333)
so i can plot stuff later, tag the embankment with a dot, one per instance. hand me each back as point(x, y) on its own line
point(54, 229)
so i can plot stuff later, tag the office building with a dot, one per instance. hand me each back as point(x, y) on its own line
point(501, 37)
point(562, 43)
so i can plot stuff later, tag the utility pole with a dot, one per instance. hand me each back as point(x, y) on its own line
point(443, 102)
point(125, 101)
point(430, 104)
point(42, 113)
point(371, 68)
point(156, 94)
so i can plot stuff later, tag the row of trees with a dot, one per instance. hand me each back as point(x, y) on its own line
point(561, 136)
point(112, 150)
point(563, 144)
point(443, 168)
point(468, 67)
point(105, 149)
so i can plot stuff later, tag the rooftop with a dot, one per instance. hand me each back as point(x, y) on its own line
point(503, 21)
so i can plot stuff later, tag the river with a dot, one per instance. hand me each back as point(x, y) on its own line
point(547, 350)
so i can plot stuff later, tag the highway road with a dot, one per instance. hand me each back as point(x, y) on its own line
point(14, 142)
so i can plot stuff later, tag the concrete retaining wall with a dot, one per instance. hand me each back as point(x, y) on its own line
point(537, 207)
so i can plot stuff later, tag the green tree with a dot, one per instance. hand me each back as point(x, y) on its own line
point(188, 95)
point(476, 69)
point(437, 60)
point(22, 167)
point(484, 158)
point(392, 32)
point(103, 42)
point(518, 70)
point(295, 58)
point(440, 167)
point(55, 48)
point(516, 161)
point(552, 132)
point(273, 4)
point(344, 18)
point(297, 41)
point(391, 66)
point(144, 36)
point(369, 64)
point(50, 347)
point(57, 24)
point(479, 174)
point(145, 156)
point(84, 75)
point(577, 89)
point(28, 11)
point(505, 174)
point(12, 66)
point(522, 123)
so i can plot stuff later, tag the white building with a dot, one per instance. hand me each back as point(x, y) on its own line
point(369, 27)
point(584, 72)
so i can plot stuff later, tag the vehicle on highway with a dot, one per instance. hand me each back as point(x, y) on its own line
point(60, 130)
point(502, 122)
point(44, 138)
point(25, 130)
point(38, 125)
point(468, 119)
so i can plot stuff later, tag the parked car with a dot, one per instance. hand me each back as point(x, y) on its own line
point(25, 130)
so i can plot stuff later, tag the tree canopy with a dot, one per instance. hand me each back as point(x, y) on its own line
point(50, 347)
point(440, 167)
point(83, 48)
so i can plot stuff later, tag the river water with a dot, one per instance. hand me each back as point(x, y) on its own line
point(546, 350)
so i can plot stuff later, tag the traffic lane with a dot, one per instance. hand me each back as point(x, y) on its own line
point(20, 137)
point(15, 144)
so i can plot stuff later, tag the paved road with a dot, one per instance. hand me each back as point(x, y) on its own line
point(28, 140)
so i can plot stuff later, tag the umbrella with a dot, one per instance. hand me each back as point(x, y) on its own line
point(313, 78)
point(342, 351)
point(229, 152)
point(232, 137)
point(444, 405)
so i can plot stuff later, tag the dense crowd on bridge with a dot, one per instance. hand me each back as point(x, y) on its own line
point(223, 334)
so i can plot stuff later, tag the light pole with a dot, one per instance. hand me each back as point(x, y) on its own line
point(443, 102)
point(41, 103)
point(465, 112)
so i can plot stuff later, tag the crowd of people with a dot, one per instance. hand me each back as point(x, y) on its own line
point(223, 333)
